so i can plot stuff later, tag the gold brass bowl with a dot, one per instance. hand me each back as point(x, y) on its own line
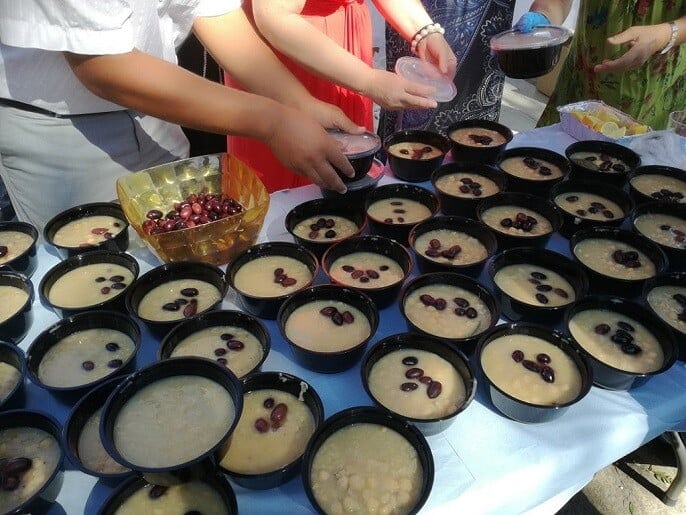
point(216, 242)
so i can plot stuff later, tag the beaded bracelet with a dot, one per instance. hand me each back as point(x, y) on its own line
point(426, 30)
point(672, 38)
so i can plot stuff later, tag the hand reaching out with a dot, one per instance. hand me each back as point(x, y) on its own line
point(435, 49)
point(644, 42)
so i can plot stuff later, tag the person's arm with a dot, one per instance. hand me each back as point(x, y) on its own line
point(644, 42)
point(555, 10)
point(280, 22)
point(407, 17)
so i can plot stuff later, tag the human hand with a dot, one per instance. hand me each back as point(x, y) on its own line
point(302, 145)
point(393, 92)
point(530, 20)
point(332, 117)
point(644, 42)
point(435, 49)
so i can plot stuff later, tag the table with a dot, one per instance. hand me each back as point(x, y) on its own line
point(484, 462)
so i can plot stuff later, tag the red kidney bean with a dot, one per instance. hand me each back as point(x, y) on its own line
point(543, 358)
point(112, 346)
point(414, 372)
point(114, 363)
point(99, 230)
point(435, 244)
point(190, 292)
point(531, 365)
point(279, 413)
point(383, 268)
point(425, 380)
point(373, 274)
point(348, 268)
point(434, 389)
point(440, 304)
point(171, 306)
point(190, 309)
point(463, 303)
point(409, 387)
point(100, 279)
point(268, 403)
point(432, 252)
point(427, 299)
point(157, 491)
point(88, 365)
point(627, 326)
point(330, 234)
point(118, 286)
point(562, 293)
point(337, 318)
point(220, 351)
point(226, 336)
point(517, 355)
point(357, 274)
point(471, 313)
point(288, 281)
point(222, 361)
point(313, 235)
point(16, 467)
point(235, 345)
point(105, 290)
point(364, 279)
point(328, 311)
point(410, 361)
point(602, 329)
point(548, 374)
point(348, 317)
point(261, 425)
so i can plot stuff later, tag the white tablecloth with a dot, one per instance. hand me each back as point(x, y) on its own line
point(485, 463)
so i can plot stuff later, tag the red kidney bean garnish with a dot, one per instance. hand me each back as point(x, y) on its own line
point(190, 309)
point(330, 234)
point(118, 286)
point(226, 336)
point(337, 318)
point(356, 274)
point(562, 293)
point(157, 491)
point(425, 380)
point(117, 278)
point(608, 214)
point(108, 235)
point(631, 348)
point(114, 363)
point(16, 466)
point(88, 365)
point(544, 287)
point(171, 306)
point(410, 361)
point(288, 281)
point(539, 275)
point(268, 403)
point(463, 303)
point(348, 317)
point(460, 312)
point(602, 329)
point(235, 345)
point(112, 346)
point(364, 279)
point(100, 279)
point(627, 326)
point(543, 358)
point(506, 222)
point(383, 268)
point(432, 253)
point(548, 374)
point(471, 313)
point(435, 244)
point(99, 230)
point(388, 220)
point(427, 299)
point(581, 212)
point(372, 274)
point(409, 387)
point(222, 361)
point(542, 298)
point(261, 425)
point(534, 281)
point(414, 372)
point(328, 311)
point(518, 356)
point(105, 290)
point(348, 268)
point(434, 389)
point(190, 292)
point(440, 304)
point(464, 189)
point(531, 365)
point(220, 351)
point(313, 235)
point(401, 219)
point(278, 414)
point(621, 339)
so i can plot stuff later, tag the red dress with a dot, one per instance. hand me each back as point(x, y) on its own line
point(348, 22)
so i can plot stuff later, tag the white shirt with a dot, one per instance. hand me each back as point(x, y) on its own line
point(34, 33)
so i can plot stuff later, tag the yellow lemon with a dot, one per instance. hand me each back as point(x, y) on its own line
point(607, 116)
point(612, 130)
point(637, 129)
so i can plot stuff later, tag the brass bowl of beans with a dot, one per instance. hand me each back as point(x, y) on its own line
point(207, 208)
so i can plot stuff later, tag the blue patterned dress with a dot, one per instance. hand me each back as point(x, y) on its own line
point(469, 25)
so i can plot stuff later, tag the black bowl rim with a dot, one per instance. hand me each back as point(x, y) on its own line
point(514, 327)
point(457, 223)
point(15, 349)
point(72, 319)
point(362, 414)
point(662, 208)
point(87, 210)
point(165, 271)
point(311, 292)
point(534, 252)
point(665, 279)
point(543, 44)
point(137, 380)
point(236, 264)
point(504, 130)
point(409, 340)
point(608, 232)
point(613, 301)
point(364, 153)
point(219, 313)
point(328, 206)
point(56, 434)
point(30, 230)
point(318, 421)
point(68, 427)
point(90, 256)
point(525, 200)
point(419, 133)
point(27, 306)
point(364, 238)
point(554, 157)
point(461, 278)
point(404, 190)
point(609, 147)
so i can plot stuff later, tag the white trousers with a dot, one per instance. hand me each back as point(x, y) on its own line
point(51, 164)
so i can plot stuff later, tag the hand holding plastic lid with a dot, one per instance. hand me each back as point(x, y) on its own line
point(423, 72)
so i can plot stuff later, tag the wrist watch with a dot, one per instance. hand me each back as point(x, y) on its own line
point(672, 38)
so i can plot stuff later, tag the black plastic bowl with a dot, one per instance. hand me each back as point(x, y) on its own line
point(572, 223)
point(170, 272)
point(521, 410)
point(323, 209)
point(395, 230)
point(268, 307)
point(667, 171)
point(203, 464)
point(675, 255)
point(46, 495)
point(214, 319)
point(26, 262)
point(301, 390)
point(465, 206)
point(608, 376)
point(515, 309)
point(14, 328)
point(337, 361)
point(455, 357)
point(131, 486)
point(677, 279)
point(120, 241)
point(361, 161)
point(625, 154)
point(13, 356)
point(78, 416)
point(543, 207)
point(466, 344)
point(370, 415)
point(601, 283)
point(358, 190)
point(116, 303)
point(467, 226)
point(541, 186)
point(75, 323)
point(415, 170)
point(469, 153)
point(382, 296)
